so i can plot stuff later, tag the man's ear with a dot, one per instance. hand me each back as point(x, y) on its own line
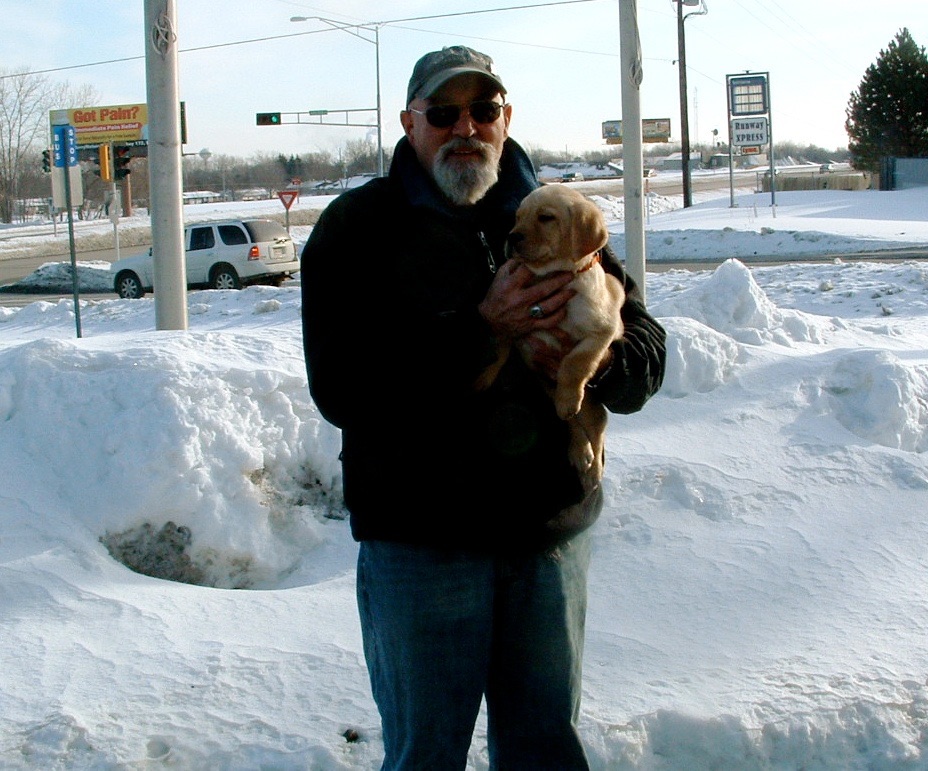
point(507, 116)
point(406, 120)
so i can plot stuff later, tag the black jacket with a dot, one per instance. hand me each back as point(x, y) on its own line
point(391, 279)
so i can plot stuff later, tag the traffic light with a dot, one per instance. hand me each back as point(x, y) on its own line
point(106, 164)
point(268, 118)
point(121, 162)
point(46, 161)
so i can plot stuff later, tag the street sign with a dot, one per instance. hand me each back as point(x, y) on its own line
point(287, 197)
point(67, 192)
point(750, 123)
point(65, 147)
point(64, 161)
point(746, 132)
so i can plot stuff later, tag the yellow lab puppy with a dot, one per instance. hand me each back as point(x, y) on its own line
point(559, 229)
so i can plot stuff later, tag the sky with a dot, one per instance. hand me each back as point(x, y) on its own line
point(560, 63)
point(758, 587)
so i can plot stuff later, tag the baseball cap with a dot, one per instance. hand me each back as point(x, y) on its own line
point(435, 69)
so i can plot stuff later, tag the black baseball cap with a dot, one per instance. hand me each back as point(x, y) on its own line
point(435, 69)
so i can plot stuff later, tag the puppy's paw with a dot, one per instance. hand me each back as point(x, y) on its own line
point(590, 479)
point(589, 468)
point(567, 405)
point(581, 457)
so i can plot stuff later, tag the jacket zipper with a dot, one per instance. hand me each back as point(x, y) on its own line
point(491, 261)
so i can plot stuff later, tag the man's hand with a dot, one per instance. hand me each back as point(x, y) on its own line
point(513, 293)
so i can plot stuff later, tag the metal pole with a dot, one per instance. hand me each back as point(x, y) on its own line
point(632, 156)
point(115, 203)
point(684, 107)
point(164, 165)
point(731, 155)
point(379, 120)
point(773, 171)
point(75, 284)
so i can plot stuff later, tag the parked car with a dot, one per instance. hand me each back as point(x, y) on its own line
point(572, 176)
point(226, 254)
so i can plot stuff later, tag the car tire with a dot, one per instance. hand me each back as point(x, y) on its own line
point(224, 276)
point(128, 286)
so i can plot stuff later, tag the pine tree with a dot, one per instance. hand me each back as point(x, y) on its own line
point(888, 114)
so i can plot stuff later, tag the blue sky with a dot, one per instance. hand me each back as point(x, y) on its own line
point(560, 63)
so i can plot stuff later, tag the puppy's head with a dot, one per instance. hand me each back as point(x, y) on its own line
point(555, 222)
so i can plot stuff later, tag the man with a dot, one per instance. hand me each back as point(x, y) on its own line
point(472, 524)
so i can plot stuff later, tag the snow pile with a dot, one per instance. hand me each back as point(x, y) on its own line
point(758, 586)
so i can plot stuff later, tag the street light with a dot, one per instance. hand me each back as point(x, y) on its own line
point(684, 108)
point(353, 29)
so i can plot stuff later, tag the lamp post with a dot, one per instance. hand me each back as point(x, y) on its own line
point(684, 108)
point(354, 29)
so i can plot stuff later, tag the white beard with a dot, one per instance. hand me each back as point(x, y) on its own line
point(466, 182)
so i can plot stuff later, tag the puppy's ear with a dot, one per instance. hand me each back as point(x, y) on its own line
point(589, 228)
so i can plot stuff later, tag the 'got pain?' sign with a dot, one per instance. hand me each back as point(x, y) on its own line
point(121, 124)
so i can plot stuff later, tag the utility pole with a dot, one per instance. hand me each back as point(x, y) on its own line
point(632, 158)
point(684, 107)
point(164, 165)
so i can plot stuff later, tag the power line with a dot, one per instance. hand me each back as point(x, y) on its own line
point(300, 34)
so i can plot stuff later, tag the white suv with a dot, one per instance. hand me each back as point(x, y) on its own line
point(226, 254)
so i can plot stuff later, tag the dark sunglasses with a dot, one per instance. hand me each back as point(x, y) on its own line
point(446, 115)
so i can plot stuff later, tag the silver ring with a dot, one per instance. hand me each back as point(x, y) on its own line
point(536, 312)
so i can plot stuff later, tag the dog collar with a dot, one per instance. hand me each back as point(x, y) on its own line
point(598, 257)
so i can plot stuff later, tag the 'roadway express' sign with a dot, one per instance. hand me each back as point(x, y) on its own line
point(749, 131)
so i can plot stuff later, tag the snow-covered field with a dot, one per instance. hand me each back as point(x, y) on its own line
point(759, 588)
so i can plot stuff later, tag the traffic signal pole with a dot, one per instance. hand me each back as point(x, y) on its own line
point(115, 209)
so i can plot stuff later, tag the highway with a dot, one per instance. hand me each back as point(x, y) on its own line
point(15, 269)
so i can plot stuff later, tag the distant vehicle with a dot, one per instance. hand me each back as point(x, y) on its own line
point(227, 254)
point(572, 176)
point(650, 172)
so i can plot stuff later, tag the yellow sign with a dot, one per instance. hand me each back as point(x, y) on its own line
point(118, 124)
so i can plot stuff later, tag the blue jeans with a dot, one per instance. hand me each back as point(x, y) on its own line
point(444, 628)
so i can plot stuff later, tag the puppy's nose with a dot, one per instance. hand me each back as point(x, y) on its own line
point(515, 238)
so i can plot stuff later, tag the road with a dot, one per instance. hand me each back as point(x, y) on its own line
point(15, 269)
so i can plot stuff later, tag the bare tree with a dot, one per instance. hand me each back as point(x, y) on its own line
point(25, 101)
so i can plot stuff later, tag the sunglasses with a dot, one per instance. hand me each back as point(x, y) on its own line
point(446, 115)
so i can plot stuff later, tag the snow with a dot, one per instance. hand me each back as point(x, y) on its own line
point(759, 586)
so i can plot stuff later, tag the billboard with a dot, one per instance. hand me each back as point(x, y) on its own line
point(652, 130)
point(121, 124)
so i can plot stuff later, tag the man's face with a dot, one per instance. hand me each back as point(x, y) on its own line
point(464, 157)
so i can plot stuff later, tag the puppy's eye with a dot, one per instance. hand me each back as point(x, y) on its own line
point(546, 218)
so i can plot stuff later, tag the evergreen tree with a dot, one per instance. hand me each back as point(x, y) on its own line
point(888, 114)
